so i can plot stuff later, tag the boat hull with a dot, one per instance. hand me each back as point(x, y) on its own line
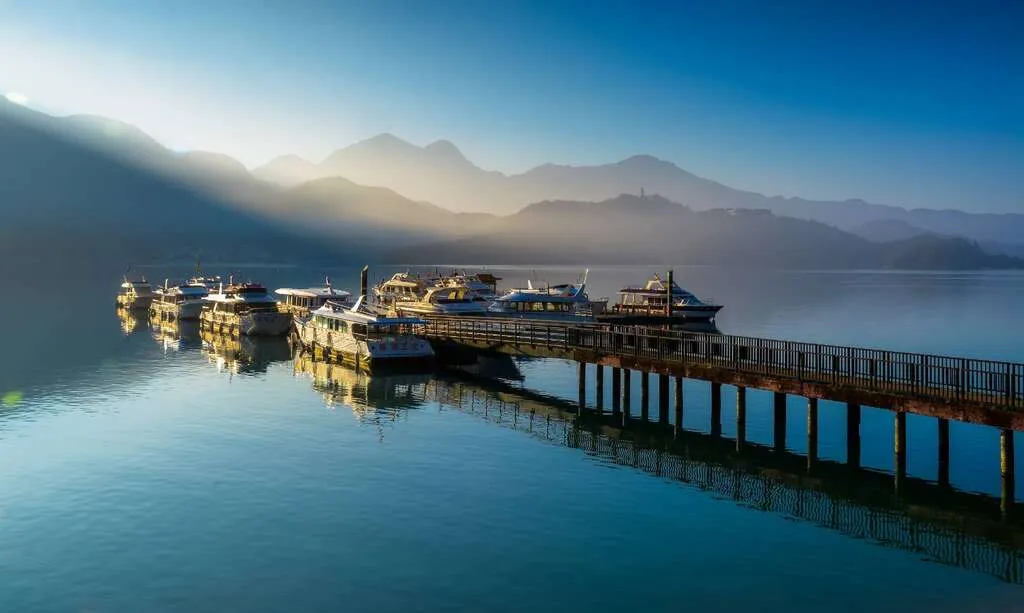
point(275, 323)
point(400, 350)
point(269, 323)
point(182, 311)
point(468, 309)
point(543, 316)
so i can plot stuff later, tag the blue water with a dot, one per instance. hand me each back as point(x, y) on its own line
point(140, 475)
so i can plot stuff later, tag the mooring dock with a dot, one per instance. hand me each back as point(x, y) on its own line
point(948, 388)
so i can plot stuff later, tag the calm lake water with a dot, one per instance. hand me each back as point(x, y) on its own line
point(143, 470)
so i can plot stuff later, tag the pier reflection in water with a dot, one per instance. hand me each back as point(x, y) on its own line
point(946, 525)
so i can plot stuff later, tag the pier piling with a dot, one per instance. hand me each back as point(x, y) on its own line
point(716, 408)
point(583, 385)
point(943, 436)
point(679, 403)
point(645, 395)
point(663, 398)
point(627, 378)
point(779, 420)
point(812, 432)
point(900, 443)
point(1006, 469)
point(616, 391)
point(853, 434)
point(741, 417)
point(599, 374)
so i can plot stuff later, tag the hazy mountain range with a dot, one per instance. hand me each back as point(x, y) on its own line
point(92, 187)
point(439, 173)
point(642, 230)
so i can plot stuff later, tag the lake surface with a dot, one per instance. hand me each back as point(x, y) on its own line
point(143, 470)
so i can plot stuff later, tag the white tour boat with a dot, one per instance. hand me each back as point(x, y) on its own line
point(135, 294)
point(246, 309)
point(652, 298)
point(179, 302)
point(446, 300)
point(564, 302)
point(483, 284)
point(401, 287)
point(362, 338)
point(301, 302)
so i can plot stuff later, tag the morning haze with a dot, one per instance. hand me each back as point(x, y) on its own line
point(434, 305)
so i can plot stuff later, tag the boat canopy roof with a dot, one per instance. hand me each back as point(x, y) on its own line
point(249, 292)
point(519, 295)
point(189, 290)
point(313, 292)
point(357, 314)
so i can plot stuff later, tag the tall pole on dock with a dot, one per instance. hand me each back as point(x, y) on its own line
point(668, 295)
point(363, 276)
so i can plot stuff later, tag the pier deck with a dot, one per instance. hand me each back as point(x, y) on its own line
point(964, 389)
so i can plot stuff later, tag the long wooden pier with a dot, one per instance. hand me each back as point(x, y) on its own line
point(945, 387)
point(966, 389)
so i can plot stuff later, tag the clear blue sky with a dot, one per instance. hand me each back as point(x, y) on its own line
point(915, 104)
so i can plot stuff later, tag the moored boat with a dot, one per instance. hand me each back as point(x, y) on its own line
point(447, 300)
point(179, 302)
point(362, 338)
point(302, 301)
point(652, 299)
point(483, 284)
point(135, 294)
point(401, 287)
point(244, 309)
point(563, 302)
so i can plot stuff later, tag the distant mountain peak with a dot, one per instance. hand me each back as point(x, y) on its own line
point(386, 138)
point(444, 148)
point(290, 158)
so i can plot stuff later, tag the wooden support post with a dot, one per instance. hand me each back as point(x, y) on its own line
point(616, 391)
point(812, 432)
point(627, 378)
point(1006, 470)
point(679, 403)
point(779, 421)
point(583, 386)
point(900, 443)
point(716, 408)
point(663, 398)
point(741, 417)
point(645, 395)
point(900, 450)
point(943, 436)
point(599, 374)
point(853, 434)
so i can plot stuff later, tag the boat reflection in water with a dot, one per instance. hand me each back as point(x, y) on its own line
point(244, 354)
point(129, 321)
point(372, 396)
point(176, 335)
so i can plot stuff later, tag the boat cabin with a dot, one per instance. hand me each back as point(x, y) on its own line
point(303, 301)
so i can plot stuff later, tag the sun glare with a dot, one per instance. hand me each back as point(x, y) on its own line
point(17, 98)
